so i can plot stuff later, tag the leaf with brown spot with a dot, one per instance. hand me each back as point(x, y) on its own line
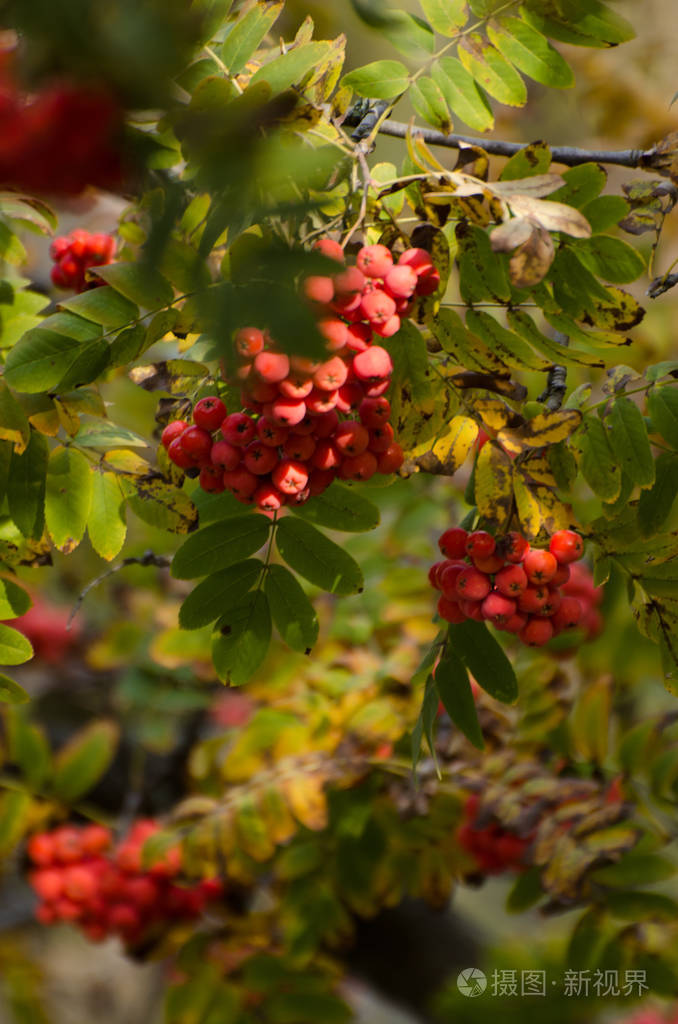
point(551, 215)
point(501, 383)
point(162, 505)
point(620, 312)
point(496, 414)
point(450, 450)
point(532, 260)
point(540, 511)
point(541, 430)
point(494, 484)
point(511, 233)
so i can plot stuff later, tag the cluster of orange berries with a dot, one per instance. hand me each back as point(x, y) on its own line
point(493, 847)
point(307, 423)
point(73, 256)
point(81, 878)
point(517, 588)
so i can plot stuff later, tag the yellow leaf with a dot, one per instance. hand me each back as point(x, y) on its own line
point(69, 419)
point(449, 451)
point(494, 413)
point(275, 811)
point(494, 490)
point(538, 468)
point(543, 429)
point(125, 461)
point(252, 830)
point(305, 796)
point(540, 511)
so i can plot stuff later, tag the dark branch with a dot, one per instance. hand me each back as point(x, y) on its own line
point(556, 382)
point(569, 155)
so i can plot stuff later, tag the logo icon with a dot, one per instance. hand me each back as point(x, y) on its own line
point(471, 982)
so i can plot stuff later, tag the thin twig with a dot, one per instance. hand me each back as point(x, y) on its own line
point(148, 558)
point(569, 155)
point(556, 382)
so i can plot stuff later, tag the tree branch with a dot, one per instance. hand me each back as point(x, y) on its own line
point(569, 155)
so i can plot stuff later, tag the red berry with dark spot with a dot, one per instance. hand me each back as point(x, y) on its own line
point(270, 432)
point(238, 429)
point(391, 460)
point(319, 289)
point(288, 411)
point(300, 447)
point(498, 608)
point(211, 479)
point(209, 413)
point(241, 482)
point(351, 438)
point(537, 632)
point(272, 367)
point(539, 565)
point(381, 438)
point(373, 412)
point(197, 443)
point(358, 467)
point(260, 458)
point(290, 476)
point(511, 580)
point(172, 431)
point(268, 498)
point(450, 610)
point(452, 542)
point(472, 584)
point(249, 342)
point(179, 455)
point(568, 615)
point(377, 307)
point(513, 545)
point(331, 375)
point(480, 544)
point(375, 260)
point(400, 282)
point(373, 365)
point(491, 564)
point(328, 247)
point(566, 546)
point(225, 455)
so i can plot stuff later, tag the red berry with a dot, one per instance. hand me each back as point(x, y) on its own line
point(271, 367)
point(295, 386)
point(290, 476)
point(262, 391)
point(260, 458)
point(374, 260)
point(381, 438)
point(241, 482)
point(373, 365)
point(319, 480)
point(511, 581)
point(197, 443)
point(270, 432)
point(349, 282)
point(391, 460)
point(328, 247)
point(533, 599)
point(80, 883)
point(172, 431)
point(562, 576)
point(433, 574)
point(319, 289)
point(447, 576)
point(419, 259)
point(211, 479)
point(377, 307)
point(427, 284)
point(325, 424)
point(179, 456)
point(378, 388)
point(351, 438)
point(452, 542)
point(358, 337)
point(539, 565)
point(300, 447)
point(225, 455)
point(388, 327)
point(513, 545)
point(400, 282)
point(40, 849)
point(480, 544)
point(48, 883)
point(515, 623)
point(472, 609)
point(566, 546)
point(331, 375)
point(67, 845)
point(320, 402)
point(374, 411)
point(490, 564)
point(450, 610)
point(238, 429)
point(552, 603)
point(209, 413)
point(326, 456)
point(568, 614)
point(335, 333)
point(498, 608)
point(472, 584)
point(358, 467)
point(288, 411)
point(94, 839)
point(349, 396)
point(536, 633)
point(268, 498)
point(249, 342)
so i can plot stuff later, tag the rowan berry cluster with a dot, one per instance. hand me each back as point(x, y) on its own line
point(493, 847)
point(73, 256)
point(517, 588)
point(300, 430)
point(60, 139)
point(82, 878)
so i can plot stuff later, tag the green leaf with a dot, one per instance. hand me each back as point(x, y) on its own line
point(482, 274)
point(629, 441)
point(491, 71)
point(248, 33)
point(103, 306)
point(454, 689)
point(530, 52)
point(524, 325)
point(598, 465)
point(106, 525)
point(14, 600)
point(293, 614)
point(426, 720)
point(107, 435)
point(636, 906)
point(26, 486)
point(594, 25)
point(14, 425)
point(635, 869)
point(15, 818)
point(429, 102)
point(15, 649)
point(381, 80)
point(162, 505)
point(11, 692)
point(86, 757)
point(318, 559)
point(445, 16)
point(291, 67)
point(510, 348)
point(485, 659)
point(462, 95)
point(141, 283)
point(610, 258)
point(563, 465)
point(44, 358)
point(219, 545)
point(217, 591)
point(68, 497)
point(662, 404)
point(532, 159)
point(525, 891)
point(605, 212)
point(655, 504)
point(582, 184)
point(340, 508)
point(241, 639)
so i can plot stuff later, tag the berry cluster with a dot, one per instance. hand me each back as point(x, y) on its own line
point(59, 140)
point(300, 430)
point(517, 588)
point(493, 847)
point(81, 878)
point(74, 254)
